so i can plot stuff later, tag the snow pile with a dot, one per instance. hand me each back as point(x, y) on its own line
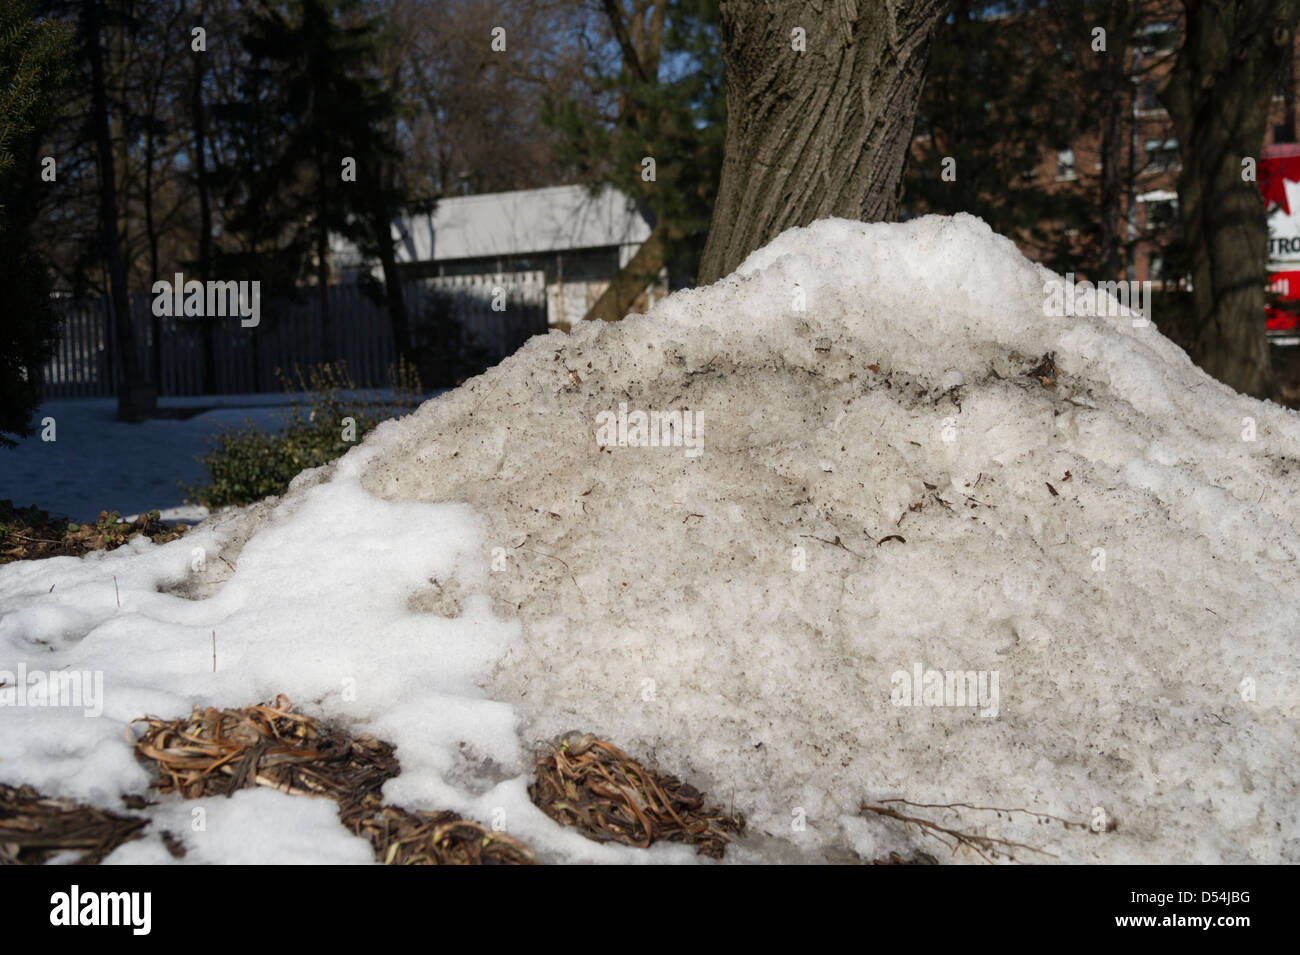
point(883, 482)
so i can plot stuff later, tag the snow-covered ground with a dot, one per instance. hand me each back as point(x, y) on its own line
point(97, 463)
point(876, 494)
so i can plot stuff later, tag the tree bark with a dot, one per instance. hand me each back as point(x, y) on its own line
point(1111, 188)
point(819, 133)
point(639, 44)
point(151, 233)
point(1218, 97)
point(136, 398)
point(322, 239)
point(381, 217)
point(198, 118)
point(631, 280)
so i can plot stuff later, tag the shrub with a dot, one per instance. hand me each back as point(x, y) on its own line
point(247, 464)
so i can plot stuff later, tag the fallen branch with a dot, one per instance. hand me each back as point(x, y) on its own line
point(988, 848)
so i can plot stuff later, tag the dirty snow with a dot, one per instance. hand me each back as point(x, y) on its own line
point(881, 489)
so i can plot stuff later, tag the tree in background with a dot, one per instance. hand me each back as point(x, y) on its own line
point(372, 135)
point(1003, 83)
point(1219, 95)
point(137, 398)
point(822, 132)
point(475, 121)
point(33, 68)
point(664, 101)
point(313, 152)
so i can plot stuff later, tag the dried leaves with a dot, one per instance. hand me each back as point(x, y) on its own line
point(34, 828)
point(1045, 371)
point(401, 837)
point(216, 752)
point(593, 785)
point(29, 533)
point(584, 782)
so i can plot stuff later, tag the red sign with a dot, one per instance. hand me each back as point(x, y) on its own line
point(1279, 183)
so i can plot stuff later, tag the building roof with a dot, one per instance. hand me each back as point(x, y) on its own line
point(530, 221)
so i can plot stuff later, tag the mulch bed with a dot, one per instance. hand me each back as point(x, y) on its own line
point(29, 533)
point(584, 782)
point(402, 837)
point(35, 828)
point(594, 786)
point(217, 752)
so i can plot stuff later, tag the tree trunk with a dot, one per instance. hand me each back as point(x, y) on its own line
point(151, 232)
point(322, 242)
point(631, 280)
point(1117, 82)
point(1218, 97)
point(819, 133)
point(199, 120)
point(323, 288)
point(136, 398)
point(381, 217)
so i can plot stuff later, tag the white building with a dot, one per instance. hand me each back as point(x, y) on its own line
point(578, 241)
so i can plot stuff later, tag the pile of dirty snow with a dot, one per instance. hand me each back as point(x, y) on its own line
point(895, 480)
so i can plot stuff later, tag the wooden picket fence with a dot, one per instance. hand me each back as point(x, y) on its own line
point(357, 330)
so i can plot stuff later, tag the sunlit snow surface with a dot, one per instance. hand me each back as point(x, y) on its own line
point(482, 575)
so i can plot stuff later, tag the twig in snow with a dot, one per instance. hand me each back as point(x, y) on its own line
point(980, 845)
point(1067, 823)
point(520, 546)
point(835, 543)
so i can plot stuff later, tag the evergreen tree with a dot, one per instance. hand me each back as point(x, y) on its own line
point(309, 100)
point(33, 67)
point(665, 101)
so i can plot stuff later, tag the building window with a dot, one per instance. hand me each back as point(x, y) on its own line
point(1160, 37)
point(1150, 100)
point(1162, 214)
point(1064, 164)
point(1156, 267)
point(1161, 154)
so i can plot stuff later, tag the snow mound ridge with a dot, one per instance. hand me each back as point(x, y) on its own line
point(896, 478)
point(889, 480)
